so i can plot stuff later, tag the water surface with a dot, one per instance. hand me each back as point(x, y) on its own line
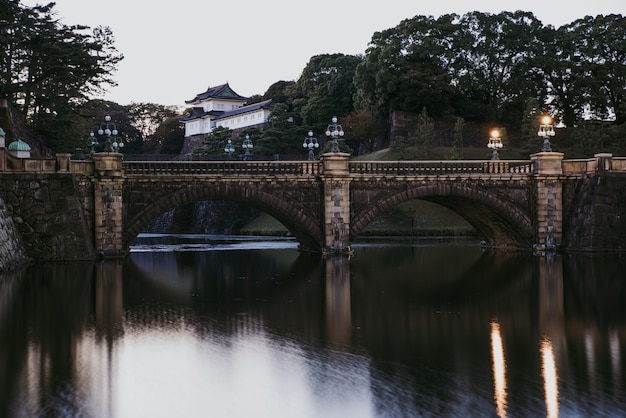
point(197, 326)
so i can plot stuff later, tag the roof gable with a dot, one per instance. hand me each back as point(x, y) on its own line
point(223, 92)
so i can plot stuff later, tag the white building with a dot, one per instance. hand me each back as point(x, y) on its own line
point(221, 106)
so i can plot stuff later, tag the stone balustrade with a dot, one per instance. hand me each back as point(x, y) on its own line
point(222, 168)
point(63, 163)
point(447, 167)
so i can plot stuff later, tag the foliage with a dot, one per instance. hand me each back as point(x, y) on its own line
point(425, 133)
point(281, 92)
point(326, 86)
point(48, 69)
point(215, 142)
point(366, 129)
point(404, 67)
point(484, 67)
point(169, 136)
point(92, 117)
point(147, 117)
point(531, 142)
point(591, 138)
point(281, 135)
point(456, 150)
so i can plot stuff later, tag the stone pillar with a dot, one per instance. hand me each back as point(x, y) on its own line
point(336, 203)
point(108, 205)
point(549, 197)
point(63, 162)
point(605, 161)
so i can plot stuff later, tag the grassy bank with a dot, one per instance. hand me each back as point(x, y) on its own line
point(415, 218)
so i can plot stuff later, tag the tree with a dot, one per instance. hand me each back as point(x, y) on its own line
point(561, 69)
point(326, 86)
point(50, 69)
point(531, 142)
point(425, 134)
point(603, 46)
point(405, 67)
point(147, 117)
point(492, 69)
point(366, 129)
point(169, 136)
point(281, 135)
point(281, 92)
point(214, 142)
point(457, 145)
point(92, 117)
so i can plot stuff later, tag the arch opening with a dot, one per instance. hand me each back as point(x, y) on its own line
point(300, 225)
point(496, 221)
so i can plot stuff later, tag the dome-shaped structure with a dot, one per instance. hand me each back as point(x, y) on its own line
point(19, 148)
point(19, 145)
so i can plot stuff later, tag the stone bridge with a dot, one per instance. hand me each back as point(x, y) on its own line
point(68, 209)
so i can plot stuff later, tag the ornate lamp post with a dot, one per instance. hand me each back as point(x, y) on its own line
point(229, 149)
point(92, 142)
point(495, 143)
point(247, 145)
point(112, 142)
point(334, 131)
point(546, 130)
point(310, 142)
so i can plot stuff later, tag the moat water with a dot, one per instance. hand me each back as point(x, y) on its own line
point(198, 326)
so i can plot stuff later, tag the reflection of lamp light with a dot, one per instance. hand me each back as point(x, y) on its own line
point(495, 143)
point(546, 130)
point(499, 370)
point(550, 378)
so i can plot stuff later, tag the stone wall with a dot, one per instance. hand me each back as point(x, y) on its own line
point(191, 143)
point(48, 215)
point(11, 252)
point(595, 213)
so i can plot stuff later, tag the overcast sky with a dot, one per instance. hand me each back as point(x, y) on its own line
point(176, 49)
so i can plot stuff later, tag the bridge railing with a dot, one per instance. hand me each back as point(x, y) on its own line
point(12, 164)
point(417, 168)
point(579, 166)
point(619, 164)
point(222, 168)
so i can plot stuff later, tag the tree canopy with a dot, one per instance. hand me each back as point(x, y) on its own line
point(49, 69)
point(484, 67)
point(477, 68)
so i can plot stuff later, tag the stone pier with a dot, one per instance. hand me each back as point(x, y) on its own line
point(549, 195)
point(108, 208)
point(336, 203)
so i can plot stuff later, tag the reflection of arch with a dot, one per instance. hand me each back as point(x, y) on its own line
point(500, 222)
point(291, 213)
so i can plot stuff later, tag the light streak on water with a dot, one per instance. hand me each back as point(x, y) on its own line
point(499, 369)
point(550, 378)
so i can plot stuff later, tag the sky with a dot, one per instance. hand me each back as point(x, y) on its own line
point(175, 50)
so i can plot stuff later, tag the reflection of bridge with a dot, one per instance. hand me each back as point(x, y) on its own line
point(103, 204)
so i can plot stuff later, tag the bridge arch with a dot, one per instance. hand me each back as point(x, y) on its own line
point(302, 224)
point(499, 221)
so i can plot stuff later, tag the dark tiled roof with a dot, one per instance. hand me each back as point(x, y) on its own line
point(198, 112)
point(245, 109)
point(223, 92)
